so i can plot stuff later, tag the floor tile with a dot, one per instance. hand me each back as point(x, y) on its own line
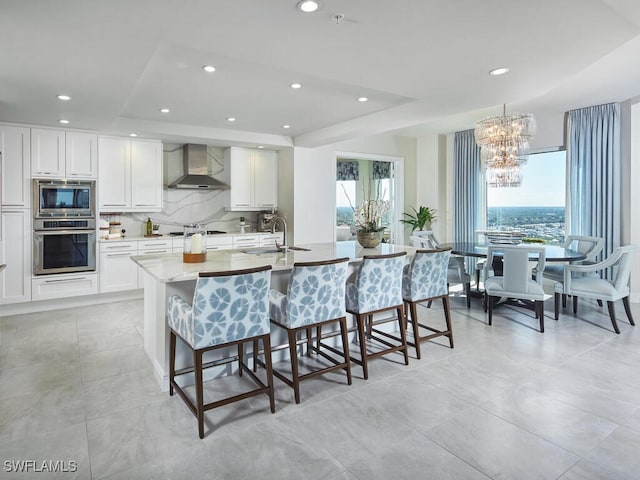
point(618, 453)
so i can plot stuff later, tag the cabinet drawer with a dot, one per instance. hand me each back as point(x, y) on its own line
point(63, 286)
point(270, 239)
point(118, 246)
point(219, 242)
point(155, 245)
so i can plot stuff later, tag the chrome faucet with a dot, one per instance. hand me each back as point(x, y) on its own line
point(284, 226)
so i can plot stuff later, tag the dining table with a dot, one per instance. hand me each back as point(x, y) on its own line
point(553, 253)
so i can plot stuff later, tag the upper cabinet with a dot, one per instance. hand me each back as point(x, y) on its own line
point(63, 154)
point(16, 166)
point(130, 175)
point(253, 177)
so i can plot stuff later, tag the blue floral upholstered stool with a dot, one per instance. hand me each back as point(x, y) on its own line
point(425, 279)
point(229, 309)
point(315, 297)
point(378, 288)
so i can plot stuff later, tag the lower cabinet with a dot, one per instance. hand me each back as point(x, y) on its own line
point(117, 271)
point(15, 253)
point(50, 287)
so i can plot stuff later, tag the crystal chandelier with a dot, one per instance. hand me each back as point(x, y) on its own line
point(504, 144)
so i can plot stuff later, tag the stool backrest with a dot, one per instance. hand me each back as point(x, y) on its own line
point(231, 305)
point(316, 292)
point(379, 281)
point(427, 274)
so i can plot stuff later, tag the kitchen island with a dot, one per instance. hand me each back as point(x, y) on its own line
point(166, 274)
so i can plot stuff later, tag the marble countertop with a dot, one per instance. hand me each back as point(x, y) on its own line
point(164, 236)
point(169, 267)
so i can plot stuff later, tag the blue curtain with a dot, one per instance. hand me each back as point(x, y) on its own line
point(594, 173)
point(468, 187)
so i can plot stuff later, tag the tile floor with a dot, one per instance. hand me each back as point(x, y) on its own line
point(506, 403)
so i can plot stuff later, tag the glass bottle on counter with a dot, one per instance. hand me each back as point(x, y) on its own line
point(195, 244)
point(149, 226)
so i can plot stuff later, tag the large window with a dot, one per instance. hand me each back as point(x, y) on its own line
point(537, 207)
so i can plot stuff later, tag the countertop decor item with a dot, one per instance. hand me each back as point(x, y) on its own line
point(370, 217)
point(195, 244)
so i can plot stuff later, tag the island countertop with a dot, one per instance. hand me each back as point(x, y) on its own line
point(169, 267)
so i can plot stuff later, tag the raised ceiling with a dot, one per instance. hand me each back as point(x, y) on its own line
point(423, 64)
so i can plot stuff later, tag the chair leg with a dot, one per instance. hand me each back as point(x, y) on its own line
point(403, 334)
point(309, 341)
point(627, 309)
point(429, 304)
point(575, 304)
point(172, 361)
point(293, 353)
point(468, 293)
point(318, 336)
point(556, 307)
point(240, 358)
point(416, 329)
point(266, 343)
point(363, 345)
point(612, 315)
point(255, 355)
point(197, 361)
point(564, 300)
point(540, 309)
point(477, 280)
point(447, 318)
point(599, 302)
point(485, 299)
point(345, 347)
point(490, 303)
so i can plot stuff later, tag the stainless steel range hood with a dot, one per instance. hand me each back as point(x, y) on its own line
point(194, 158)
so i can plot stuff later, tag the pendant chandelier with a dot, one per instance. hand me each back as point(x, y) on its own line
point(504, 145)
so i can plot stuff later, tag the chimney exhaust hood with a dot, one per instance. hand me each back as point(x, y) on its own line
point(194, 158)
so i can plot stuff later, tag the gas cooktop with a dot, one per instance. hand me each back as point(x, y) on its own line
point(209, 232)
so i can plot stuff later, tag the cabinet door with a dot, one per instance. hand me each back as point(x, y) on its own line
point(146, 176)
point(15, 146)
point(265, 172)
point(81, 154)
point(15, 252)
point(47, 153)
point(118, 272)
point(241, 179)
point(114, 178)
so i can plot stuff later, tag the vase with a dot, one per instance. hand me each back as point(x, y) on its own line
point(369, 239)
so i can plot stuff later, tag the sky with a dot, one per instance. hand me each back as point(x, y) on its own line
point(543, 184)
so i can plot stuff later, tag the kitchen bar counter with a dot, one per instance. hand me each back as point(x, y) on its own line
point(166, 274)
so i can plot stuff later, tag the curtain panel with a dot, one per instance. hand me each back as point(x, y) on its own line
point(468, 187)
point(594, 183)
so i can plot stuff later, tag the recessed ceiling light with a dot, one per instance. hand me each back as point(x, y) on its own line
point(363, 99)
point(260, 146)
point(231, 119)
point(308, 6)
point(64, 98)
point(164, 110)
point(63, 121)
point(133, 134)
point(499, 71)
point(296, 85)
point(286, 126)
point(209, 68)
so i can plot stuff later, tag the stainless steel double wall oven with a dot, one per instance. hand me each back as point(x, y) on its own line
point(64, 226)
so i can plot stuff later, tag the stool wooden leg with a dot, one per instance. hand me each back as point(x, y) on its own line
point(403, 334)
point(172, 361)
point(255, 355)
point(240, 357)
point(416, 328)
point(363, 345)
point(447, 318)
point(197, 360)
point(293, 352)
point(266, 343)
point(345, 347)
point(309, 341)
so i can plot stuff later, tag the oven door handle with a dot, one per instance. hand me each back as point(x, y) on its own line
point(64, 232)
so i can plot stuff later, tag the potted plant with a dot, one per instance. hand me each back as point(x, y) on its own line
point(368, 219)
point(420, 219)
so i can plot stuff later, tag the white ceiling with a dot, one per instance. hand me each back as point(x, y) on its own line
point(423, 64)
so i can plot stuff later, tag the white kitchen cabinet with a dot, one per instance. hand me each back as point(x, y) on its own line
point(130, 175)
point(270, 239)
point(152, 246)
point(62, 153)
point(15, 146)
point(253, 177)
point(51, 287)
point(117, 271)
point(15, 252)
point(246, 241)
point(214, 242)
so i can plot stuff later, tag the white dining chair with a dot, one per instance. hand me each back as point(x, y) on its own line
point(579, 281)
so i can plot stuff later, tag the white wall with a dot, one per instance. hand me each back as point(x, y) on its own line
point(314, 182)
point(634, 195)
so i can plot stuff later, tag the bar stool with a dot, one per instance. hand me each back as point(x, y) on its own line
point(425, 279)
point(315, 297)
point(229, 309)
point(378, 288)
